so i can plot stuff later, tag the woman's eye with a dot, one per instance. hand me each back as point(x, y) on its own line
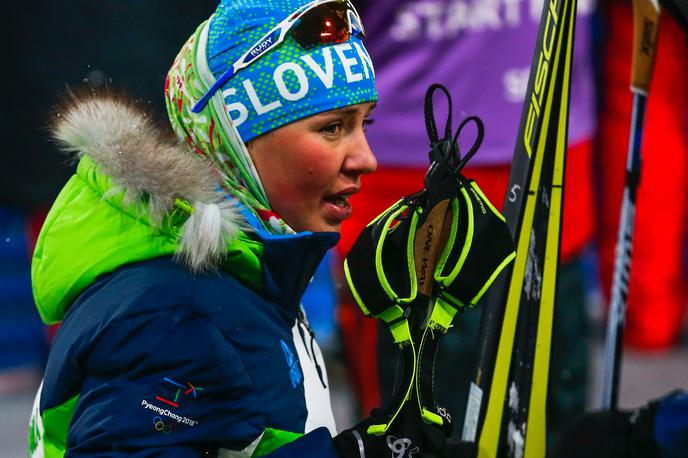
point(331, 128)
point(367, 123)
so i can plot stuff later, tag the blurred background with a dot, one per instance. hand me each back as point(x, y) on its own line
point(481, 50)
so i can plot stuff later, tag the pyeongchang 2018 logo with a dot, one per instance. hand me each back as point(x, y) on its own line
point(181, 393)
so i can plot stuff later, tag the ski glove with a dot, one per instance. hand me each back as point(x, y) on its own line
point(430, 255)
point(658, 429)
point(610, 434)
point(409, 436)
point(678, 9)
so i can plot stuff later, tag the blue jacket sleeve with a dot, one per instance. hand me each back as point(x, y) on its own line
point(317, 443)
point(163, 384)
point(671, 425)
point(151, 452)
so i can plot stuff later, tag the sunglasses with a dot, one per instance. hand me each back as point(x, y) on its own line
point(316, 23)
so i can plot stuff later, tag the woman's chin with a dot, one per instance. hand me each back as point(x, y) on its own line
point(333, 228)
point(319, 223)
point(326, 226)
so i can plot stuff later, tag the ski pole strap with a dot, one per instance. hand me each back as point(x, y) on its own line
point(390, 272)
point(480, 248)
point(428, 241)
point(442, 315)
point(430, 412)
point(480, 135)
point(403, 391)
point(430, 123)
point(423, 259)
point(396, 319)
point(380, 270)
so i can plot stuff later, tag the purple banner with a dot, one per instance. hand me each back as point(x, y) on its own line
point(482, 51)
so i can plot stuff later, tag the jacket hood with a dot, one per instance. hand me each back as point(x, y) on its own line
point(137, 194)
point(145, 165)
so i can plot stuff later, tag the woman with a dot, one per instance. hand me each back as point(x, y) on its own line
point(177, 276)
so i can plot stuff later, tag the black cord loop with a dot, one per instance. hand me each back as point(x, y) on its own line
point(446, 150)
point(430, 122)
point(480, 135)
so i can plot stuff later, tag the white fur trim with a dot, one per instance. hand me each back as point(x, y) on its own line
point(207, 232)
point(128, 147)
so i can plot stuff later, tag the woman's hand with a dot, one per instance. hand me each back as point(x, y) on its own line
point(409, 436)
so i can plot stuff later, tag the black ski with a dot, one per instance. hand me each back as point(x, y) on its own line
point(516, 326)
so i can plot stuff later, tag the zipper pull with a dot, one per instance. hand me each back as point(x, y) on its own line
point(302, 319)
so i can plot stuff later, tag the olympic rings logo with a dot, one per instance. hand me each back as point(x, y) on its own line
point(161, 426)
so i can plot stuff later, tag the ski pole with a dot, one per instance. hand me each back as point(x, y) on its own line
point(645, 24)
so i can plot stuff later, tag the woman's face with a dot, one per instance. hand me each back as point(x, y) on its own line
point(310, 167)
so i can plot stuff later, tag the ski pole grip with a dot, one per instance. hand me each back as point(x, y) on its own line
point(645, 26)
point(431, 237)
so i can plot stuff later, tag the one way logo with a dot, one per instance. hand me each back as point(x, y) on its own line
point(400, 447)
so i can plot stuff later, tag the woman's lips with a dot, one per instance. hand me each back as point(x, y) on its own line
point(338, 207)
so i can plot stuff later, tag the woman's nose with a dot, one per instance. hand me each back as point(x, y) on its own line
point(360, 159)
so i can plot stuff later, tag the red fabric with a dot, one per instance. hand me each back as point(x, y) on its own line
point(387, 185)
point(35, 223)
point(657, 294)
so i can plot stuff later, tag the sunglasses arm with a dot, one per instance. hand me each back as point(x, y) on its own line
point(274, 38)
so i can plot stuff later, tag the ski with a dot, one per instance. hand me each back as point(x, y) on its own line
point(515, 334)
point(645, 26)
point(531, 360)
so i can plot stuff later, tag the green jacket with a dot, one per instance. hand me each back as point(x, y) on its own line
point(135, 201)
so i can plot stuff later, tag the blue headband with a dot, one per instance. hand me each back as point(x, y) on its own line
point(289, 82)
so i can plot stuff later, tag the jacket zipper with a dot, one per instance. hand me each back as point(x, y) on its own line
point(302, 321)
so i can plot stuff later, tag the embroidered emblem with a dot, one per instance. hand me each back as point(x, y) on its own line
point(163, 426)
point(400, 446)
point(166, 413)
point(172, 394)
point(293, 363)
point(185, 390)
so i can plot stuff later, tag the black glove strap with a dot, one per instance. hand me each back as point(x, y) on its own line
point(403, 390)
point(425, 381)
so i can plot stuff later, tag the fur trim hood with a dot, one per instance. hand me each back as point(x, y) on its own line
point(154, 172)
